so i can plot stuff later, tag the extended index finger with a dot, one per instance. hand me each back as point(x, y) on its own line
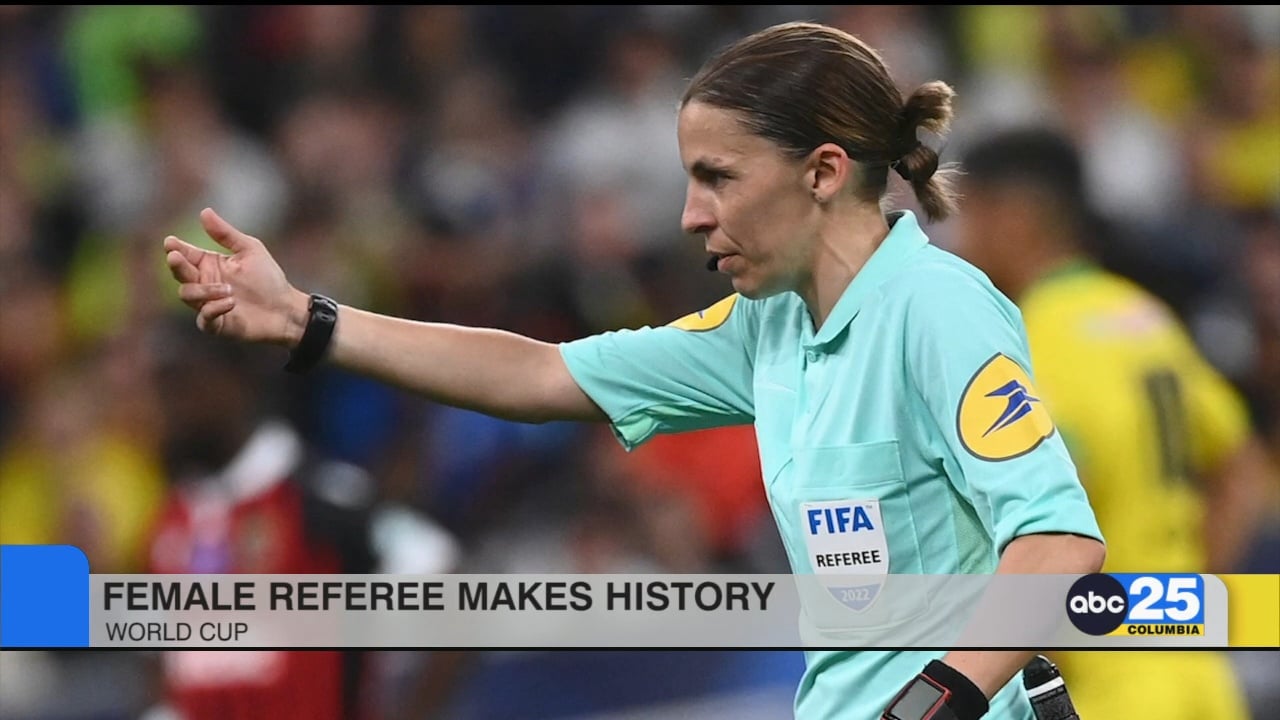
point(183, 259)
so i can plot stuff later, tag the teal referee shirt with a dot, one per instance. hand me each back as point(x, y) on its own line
point(903, 436)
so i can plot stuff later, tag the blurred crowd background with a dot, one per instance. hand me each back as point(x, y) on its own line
point(516, 167)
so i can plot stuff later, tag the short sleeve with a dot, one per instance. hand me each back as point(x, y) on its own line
point(692, 374)
point(967, 357)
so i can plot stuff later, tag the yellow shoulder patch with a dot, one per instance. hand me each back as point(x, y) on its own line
point(709, 319)
point(1001, 415)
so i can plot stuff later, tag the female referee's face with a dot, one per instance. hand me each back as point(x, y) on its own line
point(748, 201)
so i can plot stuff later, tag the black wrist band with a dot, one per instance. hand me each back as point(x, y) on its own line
point(967, 700)
point(322, 317)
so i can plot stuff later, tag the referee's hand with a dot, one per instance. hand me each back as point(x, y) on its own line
point(243, 295)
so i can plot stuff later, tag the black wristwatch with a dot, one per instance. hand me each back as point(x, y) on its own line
point(939, 692)
point(322, 318)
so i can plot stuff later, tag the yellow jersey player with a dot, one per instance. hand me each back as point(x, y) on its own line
point(1162, 441)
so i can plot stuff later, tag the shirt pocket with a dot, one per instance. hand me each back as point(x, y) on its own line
point(844, 504)
point(858, 472)
point(849, 466)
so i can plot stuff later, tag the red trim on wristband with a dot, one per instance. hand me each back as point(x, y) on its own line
point(938, 709)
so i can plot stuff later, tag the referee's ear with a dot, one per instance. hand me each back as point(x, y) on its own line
point(828, 168)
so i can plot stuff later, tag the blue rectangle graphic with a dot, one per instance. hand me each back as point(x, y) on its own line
point(44, 596)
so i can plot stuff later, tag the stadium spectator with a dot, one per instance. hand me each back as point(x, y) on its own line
point(247, 495)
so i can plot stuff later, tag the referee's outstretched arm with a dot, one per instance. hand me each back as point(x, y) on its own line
point(245, 296)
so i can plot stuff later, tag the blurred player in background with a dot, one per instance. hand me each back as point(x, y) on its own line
point(884, 376)
point(1163, 442)
point(248, 495)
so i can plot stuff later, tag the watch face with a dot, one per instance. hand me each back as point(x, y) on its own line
point(917, 703)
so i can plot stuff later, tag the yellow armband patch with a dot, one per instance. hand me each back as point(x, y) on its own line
point(709, 319)
point(1000, 414)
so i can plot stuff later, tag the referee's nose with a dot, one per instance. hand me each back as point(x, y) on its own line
point(696, 218)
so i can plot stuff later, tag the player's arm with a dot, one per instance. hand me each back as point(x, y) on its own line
point(1234, 470)
point(1237, 496)
point(245, 296)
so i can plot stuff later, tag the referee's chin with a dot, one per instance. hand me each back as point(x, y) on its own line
point(751, 288)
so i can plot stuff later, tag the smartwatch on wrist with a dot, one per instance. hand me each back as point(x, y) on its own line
point(322, 317)
point(922, 699)
point(939, 692)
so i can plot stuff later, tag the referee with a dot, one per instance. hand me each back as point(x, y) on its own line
point(888, 381)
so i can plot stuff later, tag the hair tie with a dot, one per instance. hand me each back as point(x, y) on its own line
point(899, 166)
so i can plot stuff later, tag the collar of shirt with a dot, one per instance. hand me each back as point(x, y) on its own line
point(904, 238)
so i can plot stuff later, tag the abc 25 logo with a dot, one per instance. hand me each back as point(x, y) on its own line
point(1137, 605)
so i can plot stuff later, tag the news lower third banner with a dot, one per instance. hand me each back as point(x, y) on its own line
point(49, 599)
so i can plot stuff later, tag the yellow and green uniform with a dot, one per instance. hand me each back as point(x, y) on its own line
point(1145, 417)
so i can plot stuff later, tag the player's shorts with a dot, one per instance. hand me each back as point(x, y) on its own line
point(1173, 685)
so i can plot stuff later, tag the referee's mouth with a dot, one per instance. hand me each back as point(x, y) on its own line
point(717, 260)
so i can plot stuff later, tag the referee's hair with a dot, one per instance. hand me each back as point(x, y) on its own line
point(802, 84)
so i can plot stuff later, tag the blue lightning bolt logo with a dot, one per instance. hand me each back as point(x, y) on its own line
point(1019, 404)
